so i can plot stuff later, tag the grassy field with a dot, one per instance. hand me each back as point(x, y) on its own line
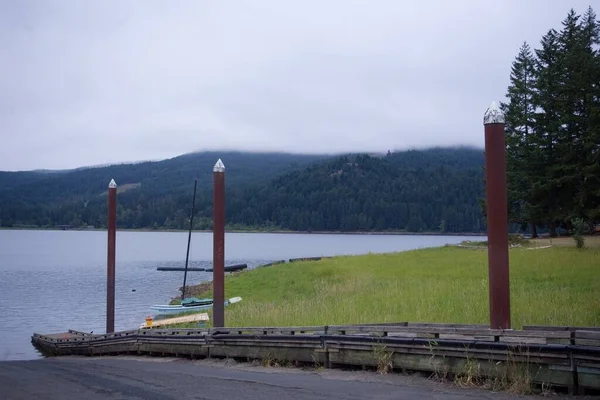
point(554, 286)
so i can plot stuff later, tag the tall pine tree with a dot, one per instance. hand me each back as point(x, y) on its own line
point(590, 108)
point(547, 122)
point(520, 139)
point(570, 93)
point(553, 127)
point(577, 139)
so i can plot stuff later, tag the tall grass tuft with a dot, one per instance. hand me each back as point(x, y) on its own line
point(579, 228)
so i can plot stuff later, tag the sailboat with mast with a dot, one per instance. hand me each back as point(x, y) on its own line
point(190, 304)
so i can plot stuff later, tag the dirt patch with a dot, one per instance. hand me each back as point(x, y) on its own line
point(199, 290)
point(202, 289)
point(591, 241)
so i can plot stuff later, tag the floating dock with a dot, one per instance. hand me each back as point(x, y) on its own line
point(228, 268)
point(239, 267)
point(567, 357)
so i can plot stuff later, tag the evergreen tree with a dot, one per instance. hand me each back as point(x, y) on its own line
point(547, 123)
point(570, 93)
point(520, 139)
point(590, 32)
point(553, 127)
point(576, 172)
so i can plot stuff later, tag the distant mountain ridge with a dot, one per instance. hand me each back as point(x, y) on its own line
point(264, 190)
point(164, 175)
point(432, 190)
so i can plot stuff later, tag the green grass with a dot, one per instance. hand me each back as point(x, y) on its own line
point(556, 286)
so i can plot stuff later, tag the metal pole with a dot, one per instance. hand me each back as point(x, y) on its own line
point(110, 264)
point(497, 217)
point(219, 245)
point(187, 255)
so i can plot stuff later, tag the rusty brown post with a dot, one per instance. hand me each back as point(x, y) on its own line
point(219, 245)
point(497, 217)
point(110, 264)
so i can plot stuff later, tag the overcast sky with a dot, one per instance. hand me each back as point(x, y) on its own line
point(93, 82)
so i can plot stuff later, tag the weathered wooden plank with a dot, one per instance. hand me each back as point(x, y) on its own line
point(272, 343)
point(425, 331)
point(441, 325)
point(74, 332)
point(172, 339)
point(163, 332)
point(587, 342)
point(269, 330)
point(400, 323)
point(173, 348)
point(524, 339)
point(453, 336)
point(176, 320)
point(524, 353)
point(560, 328)
point(586, 338)
point(591, 335)
point(544, 328)
point(266, 351)
point(588, 375)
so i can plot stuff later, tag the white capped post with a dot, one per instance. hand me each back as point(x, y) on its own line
point(219, 166)
point(493, 115)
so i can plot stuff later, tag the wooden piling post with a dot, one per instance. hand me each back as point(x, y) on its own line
point(497, 217)
point(110, 264)
point(219, 245)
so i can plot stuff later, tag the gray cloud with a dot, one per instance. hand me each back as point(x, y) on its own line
point(90, 82)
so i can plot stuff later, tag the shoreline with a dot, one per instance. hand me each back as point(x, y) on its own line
point(275, 231)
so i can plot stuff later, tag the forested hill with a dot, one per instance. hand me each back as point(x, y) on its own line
point(76, 197)
point(433, 190)
point(155, 177)
point(425, 190)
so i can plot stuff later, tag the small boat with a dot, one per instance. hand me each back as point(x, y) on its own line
point(194, 301)
point(179, 309)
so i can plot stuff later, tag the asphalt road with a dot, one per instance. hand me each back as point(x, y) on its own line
point(176, 379)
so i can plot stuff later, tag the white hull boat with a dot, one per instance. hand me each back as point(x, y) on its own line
point(179, 309)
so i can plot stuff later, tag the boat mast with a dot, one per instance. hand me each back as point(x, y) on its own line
point(187, 255)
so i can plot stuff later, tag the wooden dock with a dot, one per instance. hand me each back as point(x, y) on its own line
point(566, 357)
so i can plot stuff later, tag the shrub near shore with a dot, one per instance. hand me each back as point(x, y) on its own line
point(552, 286)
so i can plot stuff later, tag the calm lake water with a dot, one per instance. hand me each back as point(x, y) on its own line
point(51, 281)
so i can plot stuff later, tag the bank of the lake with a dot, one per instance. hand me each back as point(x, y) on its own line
point(56, 280)
point(551, 286)
point(253, 230)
